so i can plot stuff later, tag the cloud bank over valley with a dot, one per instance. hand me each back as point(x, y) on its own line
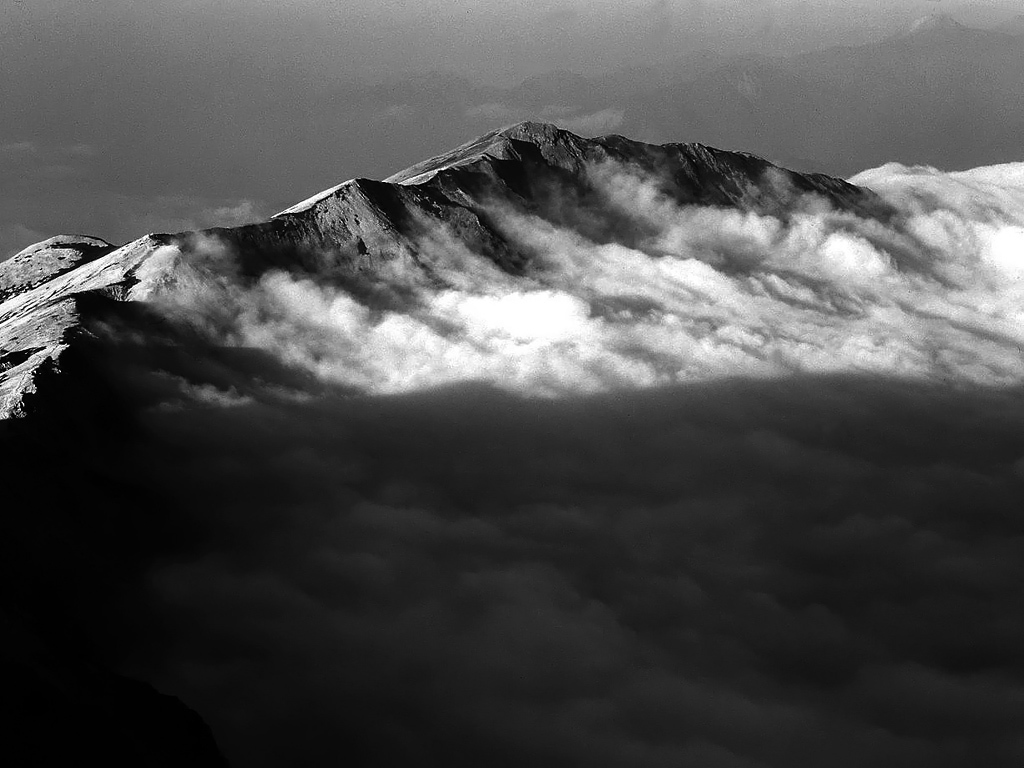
point(726, 489)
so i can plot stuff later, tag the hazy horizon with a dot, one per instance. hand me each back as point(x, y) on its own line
point(128, 117)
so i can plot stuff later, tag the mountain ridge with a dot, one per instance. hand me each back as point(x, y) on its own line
point(363, 234)
point(529, 258)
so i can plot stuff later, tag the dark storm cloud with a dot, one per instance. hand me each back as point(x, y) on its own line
point(741, 573)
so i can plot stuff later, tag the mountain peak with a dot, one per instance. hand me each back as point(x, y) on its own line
point(532, 131)
point(495, 144)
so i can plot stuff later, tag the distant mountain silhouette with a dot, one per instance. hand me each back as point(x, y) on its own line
point(939, 93)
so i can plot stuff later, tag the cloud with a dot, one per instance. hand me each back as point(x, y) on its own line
point(642, 291)
point(701, 487)
point(565, 116)
point(118, 218)
point(739, 573)
point(594, 124)
point(182, 213)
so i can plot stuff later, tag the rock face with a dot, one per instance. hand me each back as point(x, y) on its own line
point(63, 416)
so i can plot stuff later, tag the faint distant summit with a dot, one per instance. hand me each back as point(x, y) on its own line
point(932, 25)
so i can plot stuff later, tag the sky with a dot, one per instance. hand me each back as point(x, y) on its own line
point(122, 118)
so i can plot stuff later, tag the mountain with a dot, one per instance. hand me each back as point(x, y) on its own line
point(68, 535)
point(362, 235)
point(50, 258)
point(945, 98)
point(78, 312)
point(541, 441)
point(938, 92)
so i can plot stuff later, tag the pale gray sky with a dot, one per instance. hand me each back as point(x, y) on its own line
point(495, 41)
point(120, 114)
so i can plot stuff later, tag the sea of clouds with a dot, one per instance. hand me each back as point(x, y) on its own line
point(934, 293)
point(745, 492)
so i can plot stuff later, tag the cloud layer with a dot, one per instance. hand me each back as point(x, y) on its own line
point(765, 513)
point(675, 294)
point(788, 573)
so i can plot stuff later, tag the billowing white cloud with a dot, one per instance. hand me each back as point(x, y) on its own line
point(935, 294)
